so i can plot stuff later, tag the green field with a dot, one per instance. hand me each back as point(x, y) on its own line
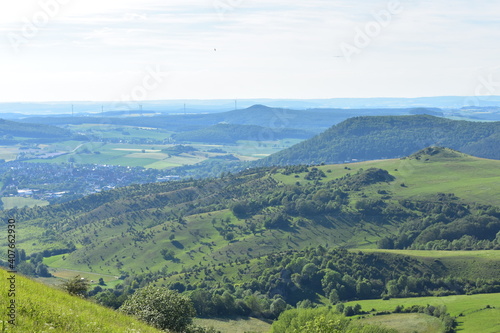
point(472, 314)
point(106, 131)
point(235, 325)
point(11, 202)
point(145, 155)
point(8, 153)
point(407, 322)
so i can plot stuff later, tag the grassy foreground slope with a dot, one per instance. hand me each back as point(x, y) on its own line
point(40, 308)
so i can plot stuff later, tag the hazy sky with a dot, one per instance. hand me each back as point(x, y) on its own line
point(110, 50)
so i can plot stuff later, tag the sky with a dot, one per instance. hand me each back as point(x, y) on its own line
point(131, 50)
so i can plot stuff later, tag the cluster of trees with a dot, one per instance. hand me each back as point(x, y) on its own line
point(298, 278)
point(466, 242)
point(445, 225)
point(235, 301)
point(31, 265)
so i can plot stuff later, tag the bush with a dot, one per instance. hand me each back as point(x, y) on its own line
point(160, 307)
point(77, 286)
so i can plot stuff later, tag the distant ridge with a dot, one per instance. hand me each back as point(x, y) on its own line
point(382, 137)
point(28, 130)
point(276, 118)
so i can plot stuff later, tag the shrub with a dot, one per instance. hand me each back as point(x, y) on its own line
point(160, 307)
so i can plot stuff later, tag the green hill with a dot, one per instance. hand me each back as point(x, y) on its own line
point(349, 205)
point(39, 308)
point(240, 229)
point(382, 137)
point(231, 133)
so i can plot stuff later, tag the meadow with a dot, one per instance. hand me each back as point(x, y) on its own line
point(473, 179)
point(235, 325)
point(475, 313)
point(407, 322)
point(11, 202)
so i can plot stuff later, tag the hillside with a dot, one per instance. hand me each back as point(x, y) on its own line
point(40, 308)
point(354, 205)
point(231, 133)
point(370, 138)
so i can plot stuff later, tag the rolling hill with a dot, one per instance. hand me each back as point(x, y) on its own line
point(272, 235)
point(382, 137)
point(261, 211)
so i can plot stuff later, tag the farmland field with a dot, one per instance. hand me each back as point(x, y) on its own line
point(236, 325)
point(476, 313)
point(407, 322)
point(11, 202)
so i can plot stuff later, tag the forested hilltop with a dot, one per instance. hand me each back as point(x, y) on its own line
point(382, 137)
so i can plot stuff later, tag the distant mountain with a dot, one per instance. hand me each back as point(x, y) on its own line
point(211, 106)
point(316, 120)
point(231, 133)
point(370, 138)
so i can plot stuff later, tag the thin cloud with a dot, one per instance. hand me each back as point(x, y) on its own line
point(268, 47)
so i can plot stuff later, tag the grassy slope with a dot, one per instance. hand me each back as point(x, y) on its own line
point(41, 309)
point(470, 178)
point(476, 318)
